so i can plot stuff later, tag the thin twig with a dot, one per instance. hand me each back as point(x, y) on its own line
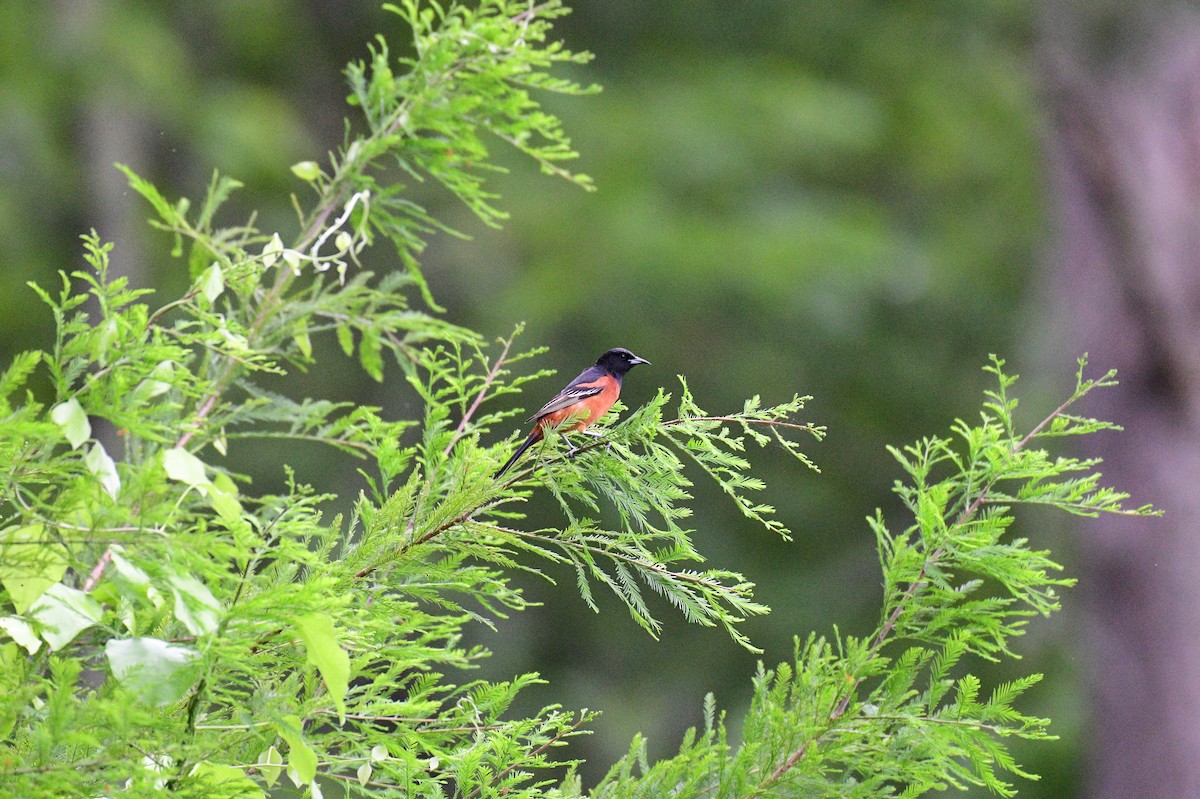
point(421, 723)
point(576, 451)
point(153, 320)
point(97, 571)
point(363, 448)
point(649, 565)
point(458, 433)
point(434, 533)
point(487, 383)
point(742, 420)
point(558, 736)
point(202, 414)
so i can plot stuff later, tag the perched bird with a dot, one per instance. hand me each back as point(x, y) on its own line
point(584, 400)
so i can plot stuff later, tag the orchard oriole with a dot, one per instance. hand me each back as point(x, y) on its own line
point(584, 400)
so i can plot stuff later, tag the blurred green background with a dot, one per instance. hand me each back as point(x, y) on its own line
point(836, 199)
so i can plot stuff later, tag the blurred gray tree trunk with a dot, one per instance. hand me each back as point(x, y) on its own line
point(109, 128)
point(1123, 107)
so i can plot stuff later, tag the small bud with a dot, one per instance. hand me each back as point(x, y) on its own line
point(270, 253)
point(306, 170)
point(292, 259)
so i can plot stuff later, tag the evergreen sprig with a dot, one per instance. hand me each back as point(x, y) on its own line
point(895, 713)
point(168, 627)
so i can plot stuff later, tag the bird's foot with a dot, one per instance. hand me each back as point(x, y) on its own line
point(598, 436)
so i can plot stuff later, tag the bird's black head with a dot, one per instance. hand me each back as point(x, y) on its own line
point(619, 361)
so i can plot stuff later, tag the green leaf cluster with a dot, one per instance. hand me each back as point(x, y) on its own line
point(169, 627)
point(896, 712)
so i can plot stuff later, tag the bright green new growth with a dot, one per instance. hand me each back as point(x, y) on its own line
point(884, 715)
point(165, 626)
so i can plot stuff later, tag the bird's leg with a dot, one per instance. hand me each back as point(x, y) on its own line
point(590, 434)
point(598, 436)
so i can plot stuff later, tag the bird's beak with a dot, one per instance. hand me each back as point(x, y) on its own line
point(636, 360)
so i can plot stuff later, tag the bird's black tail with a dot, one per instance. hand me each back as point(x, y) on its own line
point(534, 437)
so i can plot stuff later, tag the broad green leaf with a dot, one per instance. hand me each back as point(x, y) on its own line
point(302, 761)
point(270, 764)
point(212, 283)
point(292, 259)
point(223, 496)
point(100, 464)
point(102, 339)
point(199, 258)
point(306, 170)
point(225, 782)
point(127, 571)
point(271, 250)
point(156, 383)
point(70, 417)
point(11, 668)
point(157, 672)
point(64, 613)
point(185, 467)
point(29, 564)
point(364, 773)
point(322, 650)
point(195, 606)
point(21, 632)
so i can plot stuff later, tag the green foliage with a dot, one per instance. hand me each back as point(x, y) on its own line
point(894, 712)
point(168, 627)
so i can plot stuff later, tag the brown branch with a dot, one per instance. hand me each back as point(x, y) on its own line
point(434, 533)
point(458, 431)
point(205, 409)
point(487, 383)
point(97, 571)
point(575, 451)
point(529, 13)
point(1042, 424)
